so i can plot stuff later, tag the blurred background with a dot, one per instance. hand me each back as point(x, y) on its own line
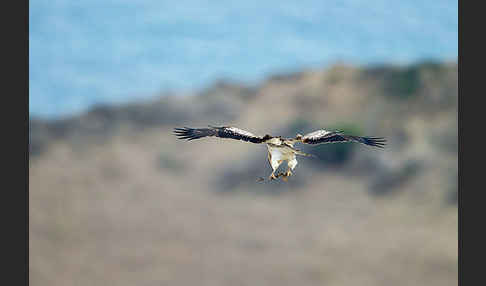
point(116, 199)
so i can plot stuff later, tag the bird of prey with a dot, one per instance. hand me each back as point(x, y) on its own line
point(279, 149)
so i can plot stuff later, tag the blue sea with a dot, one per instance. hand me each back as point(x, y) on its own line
point(87, 52)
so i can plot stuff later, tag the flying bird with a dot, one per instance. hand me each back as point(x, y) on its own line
point(279, 149)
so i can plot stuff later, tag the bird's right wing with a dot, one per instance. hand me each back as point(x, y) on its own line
point(324, 136)
point(221, 132)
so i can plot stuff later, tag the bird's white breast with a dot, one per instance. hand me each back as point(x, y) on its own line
point(281, 153)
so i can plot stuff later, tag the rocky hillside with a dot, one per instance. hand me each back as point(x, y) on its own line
point(116, 199)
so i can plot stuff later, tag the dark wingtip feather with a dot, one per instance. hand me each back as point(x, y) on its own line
point(184, 133)
point(379, 142)
point(190, 133)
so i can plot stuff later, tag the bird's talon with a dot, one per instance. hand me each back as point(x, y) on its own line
point(288, 174)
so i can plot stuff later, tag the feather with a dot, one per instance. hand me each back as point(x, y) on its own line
point(324, 136)
point(221, 132)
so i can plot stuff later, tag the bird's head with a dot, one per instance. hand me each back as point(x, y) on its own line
point(298, 136)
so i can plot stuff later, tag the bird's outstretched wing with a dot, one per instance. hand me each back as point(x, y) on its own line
point(324, 136)
point(222, 132)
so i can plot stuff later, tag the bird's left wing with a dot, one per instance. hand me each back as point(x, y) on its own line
point(324, 136)
point(222, 132)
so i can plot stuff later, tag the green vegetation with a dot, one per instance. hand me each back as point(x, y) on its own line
point(404, 82)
